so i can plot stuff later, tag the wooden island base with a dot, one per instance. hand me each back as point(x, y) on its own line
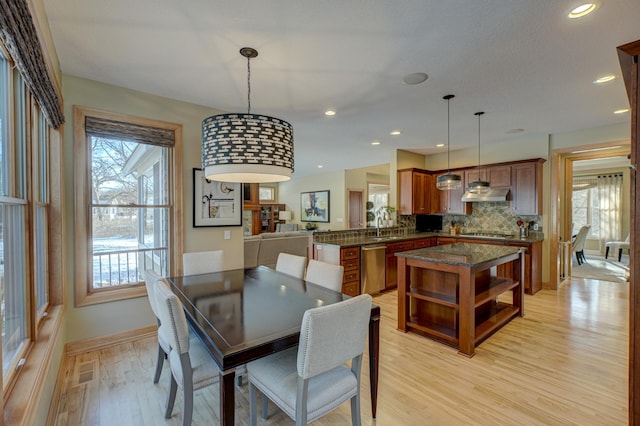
point(450, 293)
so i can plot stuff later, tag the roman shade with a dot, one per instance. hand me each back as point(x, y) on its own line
point(18, 33)
point(113, 129)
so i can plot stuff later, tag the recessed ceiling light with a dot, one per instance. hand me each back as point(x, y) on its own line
point(513, 131)
point(329, 112)
point(582, 10)
point(375, 143)
point(621, 111)
point(395, 133)
point(415, 78)
point(320, 166)
point(440, 145)
point(605, 79)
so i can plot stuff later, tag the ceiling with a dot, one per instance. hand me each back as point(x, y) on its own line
point(523, 62)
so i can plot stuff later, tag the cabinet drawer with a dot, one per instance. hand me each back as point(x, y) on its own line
point(422, 243)
point(350, 264)
point(351, 289)
point(350, 253)
point(403, 246)
point(353, 275)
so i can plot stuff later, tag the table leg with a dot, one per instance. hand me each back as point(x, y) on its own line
point(227, 397)
point(374, 353)
point(403, 305)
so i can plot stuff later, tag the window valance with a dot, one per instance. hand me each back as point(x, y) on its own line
point(18, 33)
point(114, 129)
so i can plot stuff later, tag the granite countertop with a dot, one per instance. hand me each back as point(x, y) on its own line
point(467, 254)
point(361, 241)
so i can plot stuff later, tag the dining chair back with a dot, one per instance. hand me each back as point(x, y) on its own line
point(579, 242)
point(313, 379)
point(325, 274)
point(192, 367)
point(291, 264)
point(150, 282)
point(202, 262)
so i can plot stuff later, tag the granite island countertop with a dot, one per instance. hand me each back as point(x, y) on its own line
point(385, 239)
point(467, 254)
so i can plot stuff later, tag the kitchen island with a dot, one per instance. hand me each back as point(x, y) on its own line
point(452, 292)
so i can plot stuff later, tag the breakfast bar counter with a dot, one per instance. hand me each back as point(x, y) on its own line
point(452, 293)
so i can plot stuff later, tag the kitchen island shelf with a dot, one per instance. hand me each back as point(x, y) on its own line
point(497, 286)
point(434, 297)
point(438, 331)
point(492, 320)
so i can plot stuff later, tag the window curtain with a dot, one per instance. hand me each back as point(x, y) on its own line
point(18, 34)
point(610, 200)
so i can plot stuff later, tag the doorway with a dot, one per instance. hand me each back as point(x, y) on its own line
point(355, 209)
point(561, 212)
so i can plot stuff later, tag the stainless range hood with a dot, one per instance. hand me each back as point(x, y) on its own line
point(494, 194)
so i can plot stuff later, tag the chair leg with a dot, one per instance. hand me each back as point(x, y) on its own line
point(606, 252)
point(253, 401)
point(355, 410)
point(301, 402)
point(619, 255)
point(578, 258)
point(188, 402)
point(159, 364)
point(171, 398)
point(265, 407)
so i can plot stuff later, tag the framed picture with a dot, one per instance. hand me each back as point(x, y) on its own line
point(215, 203)
point(314, 206)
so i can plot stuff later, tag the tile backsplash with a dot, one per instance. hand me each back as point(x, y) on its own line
point(486, 217)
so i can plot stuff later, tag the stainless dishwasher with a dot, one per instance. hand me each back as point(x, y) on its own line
point(373, 269)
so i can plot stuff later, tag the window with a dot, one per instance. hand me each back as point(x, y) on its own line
point(267, 194)
point(597, 201)
point(128, 169)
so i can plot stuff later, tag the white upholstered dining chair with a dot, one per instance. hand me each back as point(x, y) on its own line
point(192, 367)
point(618, 246)
point(579, 242)
point(325, 274)
point(313, 379)
point(150, 279)
point(291, 264)
point(202, 262)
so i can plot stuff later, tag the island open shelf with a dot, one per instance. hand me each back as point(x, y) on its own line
point(450, 292)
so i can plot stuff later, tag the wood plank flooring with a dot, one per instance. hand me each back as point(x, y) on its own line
point(564, 363)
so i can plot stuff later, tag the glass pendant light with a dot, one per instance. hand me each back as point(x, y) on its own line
point(449, 180)
point(479, 186)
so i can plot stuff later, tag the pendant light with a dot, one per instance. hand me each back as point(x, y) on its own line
point(479, 186)
point(449, 180)
point(247, 148)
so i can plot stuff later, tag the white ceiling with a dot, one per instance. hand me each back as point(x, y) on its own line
point(523, 62)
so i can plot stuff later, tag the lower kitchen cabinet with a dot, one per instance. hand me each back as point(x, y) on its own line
point(391, 262)
point(350, 261)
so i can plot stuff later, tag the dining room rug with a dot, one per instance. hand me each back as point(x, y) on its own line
point(598, 268)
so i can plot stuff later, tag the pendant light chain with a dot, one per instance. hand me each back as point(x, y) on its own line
point(448, 134)
point(478, 114)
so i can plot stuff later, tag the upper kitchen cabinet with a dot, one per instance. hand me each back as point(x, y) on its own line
point(415, 192)
point(498, 176)
point(449, 202)
point(526, 188)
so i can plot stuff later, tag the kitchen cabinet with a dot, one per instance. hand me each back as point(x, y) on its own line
point(348, 257)
point(415, 192)
point(449, 202)
point(350, 261)
point(497, 176)
point(526, 188)
point(391, 262)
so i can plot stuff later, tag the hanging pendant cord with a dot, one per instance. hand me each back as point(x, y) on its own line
point(448, 135)
point(478, 146)
point(249, 85)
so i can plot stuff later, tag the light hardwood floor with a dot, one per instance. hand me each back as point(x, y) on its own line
point(564, 363)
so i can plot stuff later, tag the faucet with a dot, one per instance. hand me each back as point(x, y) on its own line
point(378, 226)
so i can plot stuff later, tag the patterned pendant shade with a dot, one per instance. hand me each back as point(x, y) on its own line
point(247, 148)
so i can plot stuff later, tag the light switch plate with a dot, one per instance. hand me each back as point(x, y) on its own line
point(227, 235)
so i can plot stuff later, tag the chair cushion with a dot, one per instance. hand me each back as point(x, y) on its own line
point(276, 376)
point(163, 340)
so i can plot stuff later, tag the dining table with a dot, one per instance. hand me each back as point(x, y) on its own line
point(242, 315)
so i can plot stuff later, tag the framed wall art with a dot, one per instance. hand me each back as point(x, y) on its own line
point(215, 203)
point(314, 206)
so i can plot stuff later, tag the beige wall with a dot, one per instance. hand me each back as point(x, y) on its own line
point(289, 194)
point(109, 318)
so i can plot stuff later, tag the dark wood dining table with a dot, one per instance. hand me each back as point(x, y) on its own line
point(245, 314)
